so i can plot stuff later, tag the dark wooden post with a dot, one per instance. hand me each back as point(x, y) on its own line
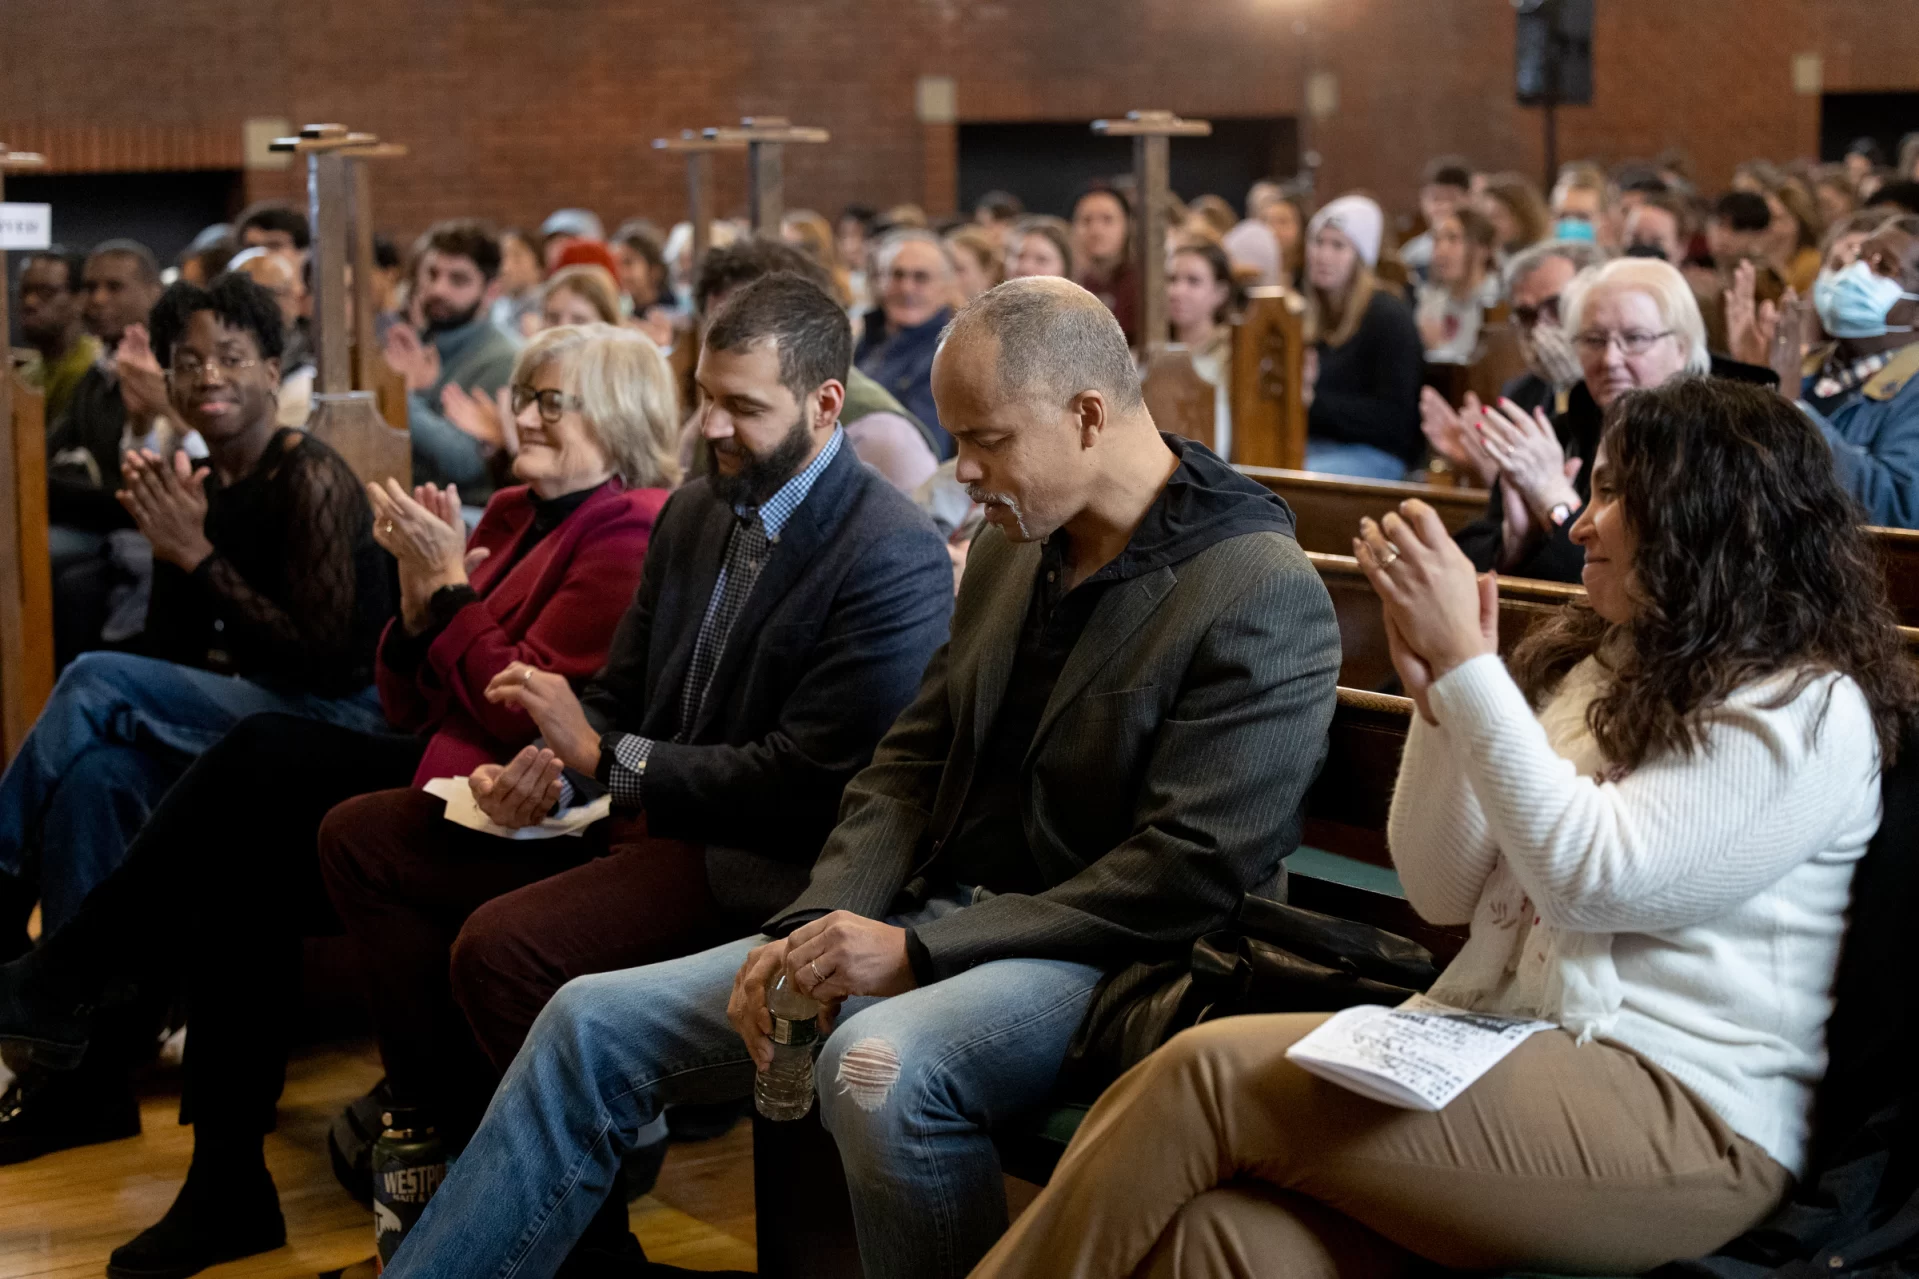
point(698, 151)
point(26, 663)
point(338, 198)
point(766, 138)
point(1149, 131)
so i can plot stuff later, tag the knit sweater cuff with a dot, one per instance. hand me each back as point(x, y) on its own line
point(1474, 696)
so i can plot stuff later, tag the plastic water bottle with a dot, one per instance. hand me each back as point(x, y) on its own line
point(409, 1163)
point(784, 1090)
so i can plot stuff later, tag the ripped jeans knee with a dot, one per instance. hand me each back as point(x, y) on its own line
point(867, 1073)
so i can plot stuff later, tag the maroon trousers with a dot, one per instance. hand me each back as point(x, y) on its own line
point(463, 936)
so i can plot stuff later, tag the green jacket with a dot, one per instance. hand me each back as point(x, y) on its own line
point(476, 357)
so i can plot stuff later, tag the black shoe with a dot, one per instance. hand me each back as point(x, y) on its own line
point(36, 1030)
point(705, 1122)
point(212, 1220)
point(350, 1138)
point(41, 1113)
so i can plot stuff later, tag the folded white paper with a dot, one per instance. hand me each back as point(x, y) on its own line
point(461, 808)
point(1418, 1056)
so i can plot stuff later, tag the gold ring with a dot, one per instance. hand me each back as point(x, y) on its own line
point(819, 978)
point(1385, 562)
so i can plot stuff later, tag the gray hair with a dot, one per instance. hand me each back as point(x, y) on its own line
point(1581, 253)
point(1055, 341)
point(889, 248)
point(626, 395)
point(1658, 280)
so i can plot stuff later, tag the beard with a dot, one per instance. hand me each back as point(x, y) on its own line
point(439, 316)
point(760, 475)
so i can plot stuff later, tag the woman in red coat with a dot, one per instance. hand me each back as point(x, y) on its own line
point(222, 881)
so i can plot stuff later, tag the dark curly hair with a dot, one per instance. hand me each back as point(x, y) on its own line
point(234, 297)
point(740, 263)
point(1751, 561)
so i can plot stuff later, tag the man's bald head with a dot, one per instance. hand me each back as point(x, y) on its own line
point(1054, 340)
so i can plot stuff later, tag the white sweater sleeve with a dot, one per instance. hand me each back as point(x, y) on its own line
point(1441, 844)
point(1682, 838)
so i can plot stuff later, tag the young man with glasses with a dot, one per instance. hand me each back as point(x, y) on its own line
point(268, 595)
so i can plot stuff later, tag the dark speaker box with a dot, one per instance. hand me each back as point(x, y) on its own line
point(1553, 52)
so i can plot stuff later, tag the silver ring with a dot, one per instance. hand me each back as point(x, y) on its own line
point(1382, 564)
point(526, 676)
point(819, 978)
point(387, 527)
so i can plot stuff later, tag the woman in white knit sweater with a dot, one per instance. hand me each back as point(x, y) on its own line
point(1650, 822)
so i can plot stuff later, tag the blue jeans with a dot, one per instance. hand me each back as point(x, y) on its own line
point(909, 1087)
point(1337, 457)
point(116, 733)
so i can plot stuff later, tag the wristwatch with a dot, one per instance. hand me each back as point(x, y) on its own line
point(1562, 513)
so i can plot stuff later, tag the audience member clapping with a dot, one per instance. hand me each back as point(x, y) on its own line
point(227, 864)
point(1634, 324)
point(1651, 824)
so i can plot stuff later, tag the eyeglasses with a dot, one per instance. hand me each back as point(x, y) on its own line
point(1632, 341)
point(553, 404)
point(1528, 317)
point(191, 368)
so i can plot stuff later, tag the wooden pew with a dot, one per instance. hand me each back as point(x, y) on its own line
point(1364, 663)
point(1899, 552)
point(1269, 356)
point(26, 586)
point(1180, 400)
point(1327, 508)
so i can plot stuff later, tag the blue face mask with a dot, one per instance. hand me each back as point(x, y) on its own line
point(1573, 229)
point(1852, 303)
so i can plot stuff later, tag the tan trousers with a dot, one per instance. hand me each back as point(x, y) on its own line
point(1218, 1157)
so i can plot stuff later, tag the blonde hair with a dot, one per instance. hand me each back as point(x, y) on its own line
point(976, 241)
point(591, 284)
point(812, 234)
point(625, 391)
point(1337, 330)
point(1671, 296)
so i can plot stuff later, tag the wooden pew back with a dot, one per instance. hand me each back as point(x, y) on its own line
point(26, 587)
point(1327, 508)
point(1899, 552)
point(1180, 400)
point(1269, 360)
point(1346, 814)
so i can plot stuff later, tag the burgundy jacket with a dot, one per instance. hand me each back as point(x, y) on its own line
point(555, 609)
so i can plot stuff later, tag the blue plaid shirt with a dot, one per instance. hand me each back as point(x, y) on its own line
point(755, 532)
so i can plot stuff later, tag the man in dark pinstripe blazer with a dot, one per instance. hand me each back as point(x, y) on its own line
point(1111, 750)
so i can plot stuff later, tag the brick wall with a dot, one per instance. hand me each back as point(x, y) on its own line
point(512, 107)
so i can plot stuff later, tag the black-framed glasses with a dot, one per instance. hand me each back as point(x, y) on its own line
point(1529, 317)
point(1632, 341)
point(553, 404)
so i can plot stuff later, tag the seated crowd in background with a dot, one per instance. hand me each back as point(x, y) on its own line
point(674, 545)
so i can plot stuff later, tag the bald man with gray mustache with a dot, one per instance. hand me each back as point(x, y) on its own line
point(1112, 749)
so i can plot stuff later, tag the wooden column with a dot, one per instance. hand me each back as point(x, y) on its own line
point(1149, 131)
point(26, 612)
point(766, 138)
point(339, 202)
point(698, 151)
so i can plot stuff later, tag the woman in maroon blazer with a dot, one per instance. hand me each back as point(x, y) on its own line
point(222, 881)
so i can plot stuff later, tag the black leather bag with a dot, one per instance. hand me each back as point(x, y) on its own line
point(1275, 959)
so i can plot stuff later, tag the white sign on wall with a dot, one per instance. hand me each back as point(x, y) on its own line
point(26, 226)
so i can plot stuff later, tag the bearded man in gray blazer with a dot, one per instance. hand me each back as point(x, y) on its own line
point(1111, 750)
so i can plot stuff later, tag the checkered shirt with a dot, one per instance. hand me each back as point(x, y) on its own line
point(755, 533)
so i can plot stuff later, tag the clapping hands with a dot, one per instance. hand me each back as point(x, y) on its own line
point(1439, 612)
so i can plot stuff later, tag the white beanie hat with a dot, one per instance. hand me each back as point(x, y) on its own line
point(1355, 217)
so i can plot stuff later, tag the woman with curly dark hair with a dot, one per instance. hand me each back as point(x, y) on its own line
point(1651, 825)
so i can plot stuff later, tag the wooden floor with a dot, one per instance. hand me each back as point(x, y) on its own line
point(61, 1215)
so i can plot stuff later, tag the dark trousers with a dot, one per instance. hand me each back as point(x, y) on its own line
point(464, 936)
point(216, 893)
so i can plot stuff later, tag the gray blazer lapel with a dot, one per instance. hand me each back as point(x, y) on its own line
point(1124, 610)
point(999, 630)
